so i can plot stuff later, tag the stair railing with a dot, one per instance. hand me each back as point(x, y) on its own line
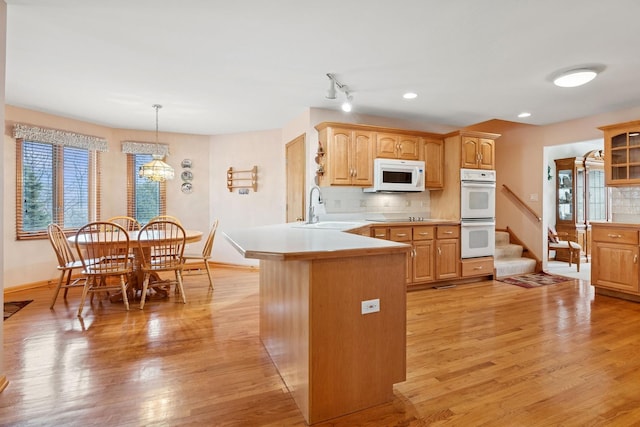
point(522, 203)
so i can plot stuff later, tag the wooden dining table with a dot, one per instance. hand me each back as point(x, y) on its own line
point(136, 279)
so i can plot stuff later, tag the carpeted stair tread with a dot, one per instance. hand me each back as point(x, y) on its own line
point(508, 259)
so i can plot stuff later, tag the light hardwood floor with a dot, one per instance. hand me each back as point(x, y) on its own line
point(480, 354)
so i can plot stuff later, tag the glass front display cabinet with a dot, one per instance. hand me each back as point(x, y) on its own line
point(581, 197)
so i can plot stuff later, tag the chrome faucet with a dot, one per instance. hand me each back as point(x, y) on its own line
point(312, 218)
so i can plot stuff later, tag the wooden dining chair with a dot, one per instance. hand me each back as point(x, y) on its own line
point(67, 262)
point(127, 222)
point(560, 242)
point(100, 247)
point(161, 246)
point(205, 255)
point(165, 218)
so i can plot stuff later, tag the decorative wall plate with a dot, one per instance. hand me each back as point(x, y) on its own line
point(187, 176)
point(186, 163)
point(187, 188)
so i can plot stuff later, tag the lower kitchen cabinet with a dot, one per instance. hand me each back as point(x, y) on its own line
point(435, 253)
point(615, 252)
point(477, 266)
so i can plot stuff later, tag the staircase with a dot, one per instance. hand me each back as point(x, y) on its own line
point(508, 259)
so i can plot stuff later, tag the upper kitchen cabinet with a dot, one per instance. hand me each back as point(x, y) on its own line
point(478, 152)
point(351, 148)
point(433, 154)
point(622, 153)
point(397, 146)
point(348, 154)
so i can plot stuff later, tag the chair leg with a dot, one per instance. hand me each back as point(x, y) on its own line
point(85, 291)
point(145, 285)
point(55, 293)
point(123, 286)
point(179, 284)
point(206, 265)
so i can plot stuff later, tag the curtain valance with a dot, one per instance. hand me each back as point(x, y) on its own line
point(133, 147)
point(59, 137)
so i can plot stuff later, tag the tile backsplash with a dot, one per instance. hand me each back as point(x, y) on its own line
point(625, 204)
point(352, 200)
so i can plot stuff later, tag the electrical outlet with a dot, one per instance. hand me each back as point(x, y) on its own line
point(371, 306)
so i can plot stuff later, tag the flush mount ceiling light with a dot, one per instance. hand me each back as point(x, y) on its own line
point(410, 95)
point(576, 77)
point(156, 169)
point(524, 114)
point(347, 105)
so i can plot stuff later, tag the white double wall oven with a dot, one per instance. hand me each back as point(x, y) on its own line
point(477, 212)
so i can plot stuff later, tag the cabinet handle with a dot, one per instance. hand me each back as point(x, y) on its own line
point(423, 234)
point(448, 232)
point(401, 234)
point(413, 253)
point(478, 268)
point(439, 251)
point(381, 235)
point(635, 259)
point(614, 236)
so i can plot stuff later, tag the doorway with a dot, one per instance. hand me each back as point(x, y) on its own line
point(296, 168)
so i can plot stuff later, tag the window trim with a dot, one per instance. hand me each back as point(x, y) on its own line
point(94, 187)
point(132, 173)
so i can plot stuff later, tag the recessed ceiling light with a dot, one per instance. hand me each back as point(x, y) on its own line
point(410, 95)
point(524, 114)
point(574, 78)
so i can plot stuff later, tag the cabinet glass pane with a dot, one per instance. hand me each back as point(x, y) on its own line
point(597, 196)
point(634, 139)
point(619, 157)
point(579, 198)
point(619, 141)
point(619, 172)
point(565, 194)
point(634, 155)
point(634, 172)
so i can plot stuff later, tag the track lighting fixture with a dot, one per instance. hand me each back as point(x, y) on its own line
point(331, 93)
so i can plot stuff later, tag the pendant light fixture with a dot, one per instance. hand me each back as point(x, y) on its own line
point(156, 170)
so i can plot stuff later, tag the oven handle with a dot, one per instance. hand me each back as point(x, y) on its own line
point(477, 223)
point(478, 184)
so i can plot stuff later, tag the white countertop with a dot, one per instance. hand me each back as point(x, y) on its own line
point(295, 241)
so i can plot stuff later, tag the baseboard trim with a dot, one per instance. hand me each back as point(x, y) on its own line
point(191, 266)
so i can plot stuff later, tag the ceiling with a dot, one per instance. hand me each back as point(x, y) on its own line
point(233, 66)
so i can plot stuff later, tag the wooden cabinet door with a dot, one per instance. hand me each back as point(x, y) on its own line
point(447, 259)
point(615, 266)
point(408, 147)
point(423, 261)
point(486, 154)
point(434, 164)
point(386, 144)
point(469, 152)
point(339, 162)
point(361, 158)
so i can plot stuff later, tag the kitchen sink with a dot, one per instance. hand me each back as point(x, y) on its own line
point(329, 225)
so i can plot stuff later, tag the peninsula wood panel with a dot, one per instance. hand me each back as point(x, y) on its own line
point(333, 359)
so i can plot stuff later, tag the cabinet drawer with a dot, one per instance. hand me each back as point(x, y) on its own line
point(477, 267)
point(448, 232)
point(380, 233)
point(615, 235)
point(425, 232)
point(400, 234)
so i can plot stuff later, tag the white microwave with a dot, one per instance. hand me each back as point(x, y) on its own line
point(397, 175)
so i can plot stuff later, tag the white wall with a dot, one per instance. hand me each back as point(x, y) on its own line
point(264, 149)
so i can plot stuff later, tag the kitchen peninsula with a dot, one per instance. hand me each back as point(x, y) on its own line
point(315, 285)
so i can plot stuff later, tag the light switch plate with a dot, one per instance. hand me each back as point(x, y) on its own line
point(371, 306)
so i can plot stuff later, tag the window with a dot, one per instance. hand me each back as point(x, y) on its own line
point(55, 183)
point(145, 199)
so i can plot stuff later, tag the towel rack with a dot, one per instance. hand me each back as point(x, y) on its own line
point(242, 178)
